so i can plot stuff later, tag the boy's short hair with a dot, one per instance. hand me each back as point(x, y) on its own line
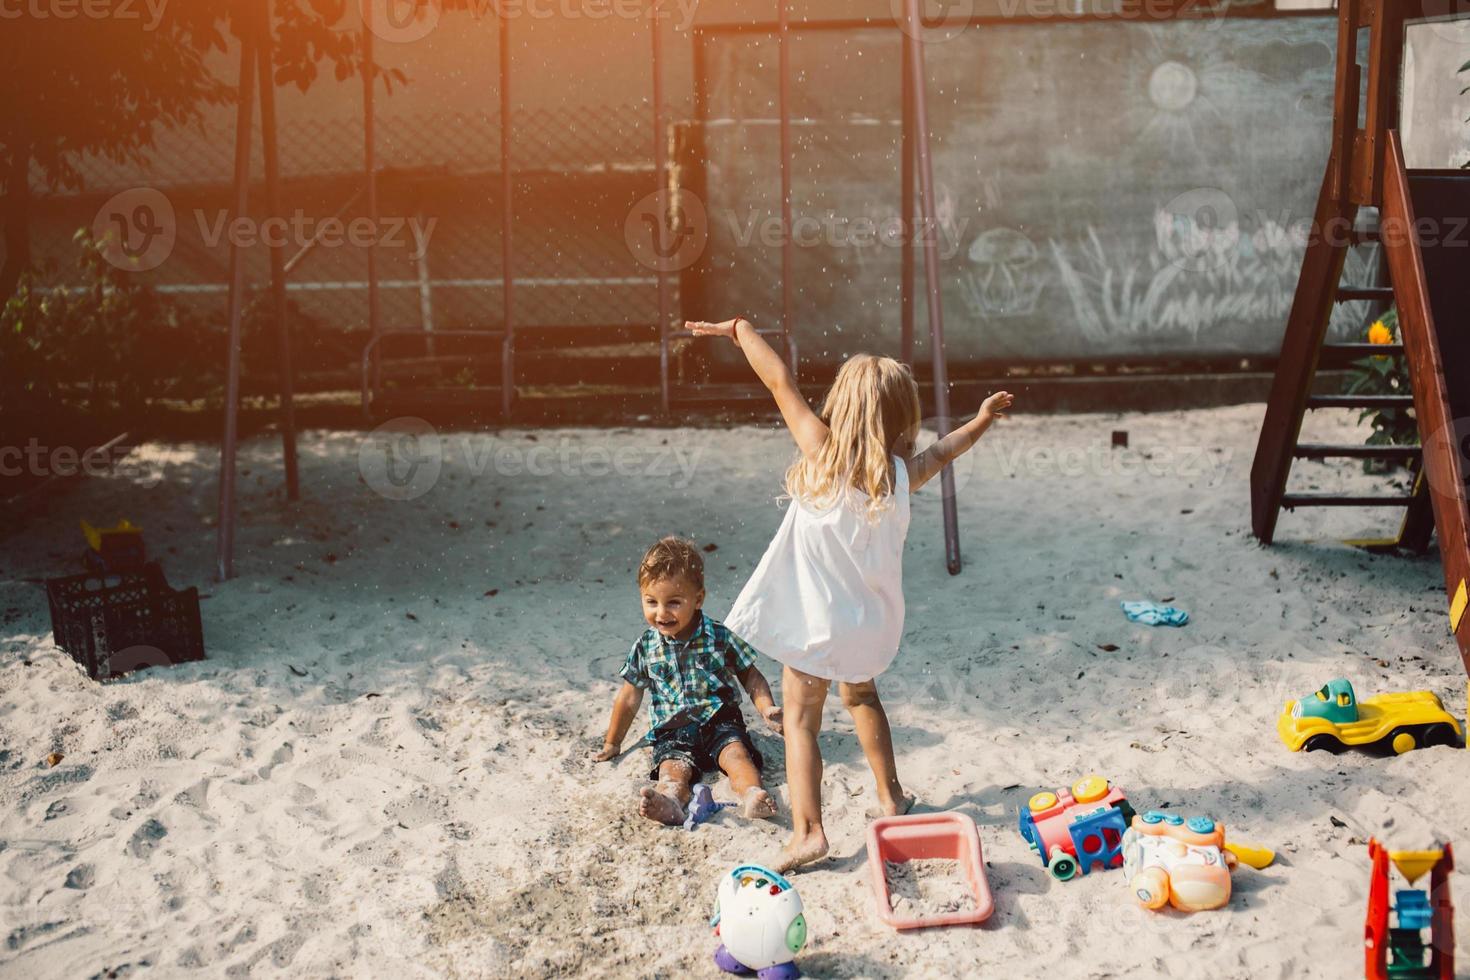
point(672, 557)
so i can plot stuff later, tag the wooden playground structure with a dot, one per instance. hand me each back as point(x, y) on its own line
point(1421, 222)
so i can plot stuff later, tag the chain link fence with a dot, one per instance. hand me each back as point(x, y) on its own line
point(578, 172)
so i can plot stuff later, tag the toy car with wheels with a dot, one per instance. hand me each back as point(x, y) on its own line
point(1079, 830)
point(1333, 718)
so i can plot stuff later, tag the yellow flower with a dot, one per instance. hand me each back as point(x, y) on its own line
point(1379, 333)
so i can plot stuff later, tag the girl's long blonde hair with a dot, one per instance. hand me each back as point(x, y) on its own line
point(873, 404)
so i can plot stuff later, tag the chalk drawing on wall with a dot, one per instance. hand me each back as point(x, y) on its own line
point(1249, 275)
point(1004, 275)
point(952, 227)
point(1172, 86)
point(1109, 298)
point(1181, 77)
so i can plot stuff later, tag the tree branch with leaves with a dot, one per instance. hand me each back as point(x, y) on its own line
point(107, 85)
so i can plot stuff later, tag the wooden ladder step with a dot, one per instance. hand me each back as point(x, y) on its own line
point(1337, 355)
point(1360, 401)
point(1347, 294)
point(1293, 500)
point(1319, 450)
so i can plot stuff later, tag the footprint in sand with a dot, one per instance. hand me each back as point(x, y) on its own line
point(318, 889)
point(196, 796)
point(21, 935)
point(145, 839)
point(121, 711)
point(283, 950)
point(420, 807)
point(279, 757)
point(54, 779)
point(82, 877)
point(376, 852)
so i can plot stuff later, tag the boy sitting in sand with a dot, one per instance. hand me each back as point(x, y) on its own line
point(691, 663)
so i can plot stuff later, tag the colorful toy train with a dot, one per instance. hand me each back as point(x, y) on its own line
point(1077, 831)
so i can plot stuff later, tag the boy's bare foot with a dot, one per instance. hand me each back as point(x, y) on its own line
point(757, 804)
point(897, 808)
point(657, 806)
point(801, 850)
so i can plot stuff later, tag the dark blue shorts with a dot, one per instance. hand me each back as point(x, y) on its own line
point(700, 745)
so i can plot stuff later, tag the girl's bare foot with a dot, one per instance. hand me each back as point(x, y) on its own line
point(801, 850)
point(657, 806)
point(897, 808)
point(757, 804)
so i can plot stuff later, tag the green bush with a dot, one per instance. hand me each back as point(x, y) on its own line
point(1385, 375)
point(104, 344)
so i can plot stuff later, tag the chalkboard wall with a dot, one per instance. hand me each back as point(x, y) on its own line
point(1106, 190)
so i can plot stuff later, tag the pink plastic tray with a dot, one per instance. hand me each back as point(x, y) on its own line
point(944, 836)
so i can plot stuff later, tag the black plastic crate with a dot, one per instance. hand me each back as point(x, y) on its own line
point(114, 624)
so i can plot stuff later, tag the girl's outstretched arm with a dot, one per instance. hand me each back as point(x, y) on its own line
point(809, 431)
point(924, 467)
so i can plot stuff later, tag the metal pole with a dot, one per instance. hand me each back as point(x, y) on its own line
point(507, 214)
point(225, 535)
point(783, 112)
point(426, 293)
point(906, 210)
point(930, 227)
point(663, 205)
point(277, 255)
point(370, 173)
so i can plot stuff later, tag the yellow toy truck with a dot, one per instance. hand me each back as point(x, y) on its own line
point(1333, 718)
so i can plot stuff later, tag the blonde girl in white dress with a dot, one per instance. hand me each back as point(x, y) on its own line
point(826, 599)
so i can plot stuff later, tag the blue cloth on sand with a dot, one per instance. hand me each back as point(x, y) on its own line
point(1153, 614)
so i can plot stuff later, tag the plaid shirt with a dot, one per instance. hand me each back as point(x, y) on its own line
point(693, 678)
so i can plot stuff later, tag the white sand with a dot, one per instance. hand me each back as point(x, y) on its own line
point(380, 771)
point(926, 887)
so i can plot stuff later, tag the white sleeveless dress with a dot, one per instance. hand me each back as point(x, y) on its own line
point(827, 596)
